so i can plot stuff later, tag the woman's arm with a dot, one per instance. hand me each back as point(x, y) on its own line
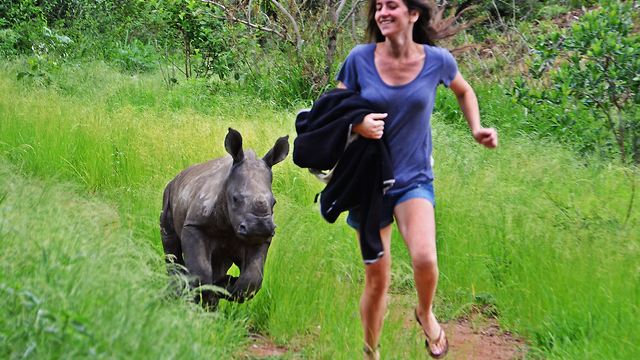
point(469, 105)
point(372, 126)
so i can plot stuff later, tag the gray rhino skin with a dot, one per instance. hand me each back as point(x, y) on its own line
point(220, 213)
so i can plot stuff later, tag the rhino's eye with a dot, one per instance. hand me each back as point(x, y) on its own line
point(235, 199)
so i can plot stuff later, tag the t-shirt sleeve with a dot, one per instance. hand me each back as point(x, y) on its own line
point(348, 73)
point(449, 67)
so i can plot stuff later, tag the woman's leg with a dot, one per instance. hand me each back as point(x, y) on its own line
point(373, 302)
point(416, 222)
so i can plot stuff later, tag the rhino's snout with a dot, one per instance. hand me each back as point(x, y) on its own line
point(243, 229)
point(254, 226)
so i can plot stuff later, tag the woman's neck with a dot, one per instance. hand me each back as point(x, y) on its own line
point(401, 47)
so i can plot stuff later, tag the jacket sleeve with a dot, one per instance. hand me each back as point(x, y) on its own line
point(323, 131)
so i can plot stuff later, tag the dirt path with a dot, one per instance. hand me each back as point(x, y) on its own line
point(472, 338)
point(262, 347)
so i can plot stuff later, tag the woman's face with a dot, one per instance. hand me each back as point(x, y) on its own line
point(394, 17)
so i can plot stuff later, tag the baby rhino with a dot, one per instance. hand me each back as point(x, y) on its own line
point(220, 213)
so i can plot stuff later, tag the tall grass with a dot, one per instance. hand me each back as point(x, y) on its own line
point(527, 229)
point(74, 283)
point(547, 238)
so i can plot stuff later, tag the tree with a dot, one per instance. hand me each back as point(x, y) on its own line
point(595, 65)
point(320, 24)
point(203, 34)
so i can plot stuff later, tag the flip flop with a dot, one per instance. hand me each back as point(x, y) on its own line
point(437, 341)
point(371, 353)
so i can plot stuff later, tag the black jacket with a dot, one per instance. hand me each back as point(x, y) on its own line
point(361, 172)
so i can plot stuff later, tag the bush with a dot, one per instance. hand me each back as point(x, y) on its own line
point(22, 22)
point(135, 56)
point(584, 81)
point(8, 41)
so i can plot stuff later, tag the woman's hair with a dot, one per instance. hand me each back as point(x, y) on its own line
point(423, 32)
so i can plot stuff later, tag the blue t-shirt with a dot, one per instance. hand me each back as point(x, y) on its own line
point(407, 129)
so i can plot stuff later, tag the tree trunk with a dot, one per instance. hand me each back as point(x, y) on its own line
point(187, 54)
point(635, 138)
point(331, 51)
point(621, 136)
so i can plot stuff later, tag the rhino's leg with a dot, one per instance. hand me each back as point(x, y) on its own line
point(197, 255)
point(171, 245)
point(220, 264)
point(251, 266)
point(170, 239)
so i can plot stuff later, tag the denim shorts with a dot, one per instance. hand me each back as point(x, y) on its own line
point(420, 191)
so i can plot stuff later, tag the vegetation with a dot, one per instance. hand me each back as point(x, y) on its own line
point(76, 284)
point(599, 63)
point(104, 102)
point(539, 218)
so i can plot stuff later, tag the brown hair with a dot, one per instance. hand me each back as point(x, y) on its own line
point(423, 33)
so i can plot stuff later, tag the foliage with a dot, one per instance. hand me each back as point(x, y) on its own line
point(135, 56)
point(592, 66)
point(21, 23)
point(518, 10)
point(229, 43)
point(47, 55)
point(203, 35)
point(518, 231)
point(74, 283)
point(8, 42)
point(111, 30)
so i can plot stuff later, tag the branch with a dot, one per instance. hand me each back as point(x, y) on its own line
point(444, 28)
point(612, 97)
point(618, 135)
point(299, 15)
point(339, 9)
point(353, 8)
point(498, 13)
point(255, 26)
point(633, 193)
point(293, 22)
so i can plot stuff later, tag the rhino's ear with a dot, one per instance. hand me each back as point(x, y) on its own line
point(233, 144)
point(278, 152)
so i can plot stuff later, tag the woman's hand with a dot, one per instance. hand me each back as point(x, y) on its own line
point(487, 137)
point(371, 127)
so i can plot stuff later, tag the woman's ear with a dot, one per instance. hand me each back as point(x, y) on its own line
point(414, 15)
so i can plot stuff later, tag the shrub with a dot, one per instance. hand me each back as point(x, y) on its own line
point(584, 81)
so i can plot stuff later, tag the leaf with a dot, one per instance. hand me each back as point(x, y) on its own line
point(23, 74)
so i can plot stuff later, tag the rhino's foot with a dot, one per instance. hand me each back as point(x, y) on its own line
point(242, 295)
point(211, 304)
point(227, 282)
point(208, 300)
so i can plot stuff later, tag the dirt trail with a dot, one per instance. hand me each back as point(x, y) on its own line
point(473, 338)
point(262, 347)
point(483, 340)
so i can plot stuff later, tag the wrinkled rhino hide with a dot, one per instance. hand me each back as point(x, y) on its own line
point(220, 213)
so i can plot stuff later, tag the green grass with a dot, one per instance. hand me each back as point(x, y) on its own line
point(545, 236)
point(528, 229)
point(76, 284)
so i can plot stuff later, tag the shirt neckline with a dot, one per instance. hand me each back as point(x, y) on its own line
point(375, 68)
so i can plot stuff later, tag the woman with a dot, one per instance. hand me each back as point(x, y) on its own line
point(399, 72)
